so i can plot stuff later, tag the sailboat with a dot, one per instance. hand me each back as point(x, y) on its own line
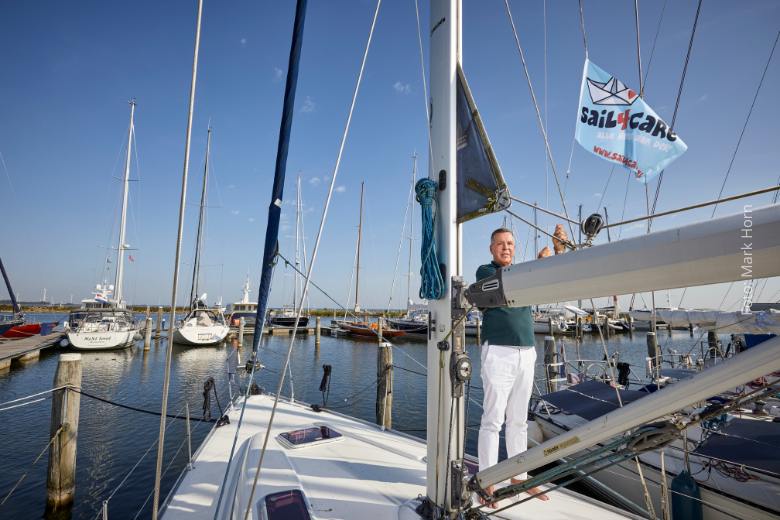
point(103, 322)
point(203, 325)
point(288, 317)
point(363, 328)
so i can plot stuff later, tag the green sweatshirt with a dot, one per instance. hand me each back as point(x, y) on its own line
point(510, 326)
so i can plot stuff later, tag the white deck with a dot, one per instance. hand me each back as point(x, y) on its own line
point(367, 473)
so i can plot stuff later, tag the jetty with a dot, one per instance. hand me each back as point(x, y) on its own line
point(26, 349)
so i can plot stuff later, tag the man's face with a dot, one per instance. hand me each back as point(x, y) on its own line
point(502, 247)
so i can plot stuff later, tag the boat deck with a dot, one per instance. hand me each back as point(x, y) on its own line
point(365, 473)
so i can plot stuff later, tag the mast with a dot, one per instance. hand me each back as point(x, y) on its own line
point(120, 249)
point(14, 303)
point(445, 434)
point(360, 235)
point(411, 240)
point(201, 216)
point(297, 241)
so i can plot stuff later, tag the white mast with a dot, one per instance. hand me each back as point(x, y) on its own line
point(411, 239)
point(297, 242)
point(201, 218)
point(445, 436)
point(357, 265)
point(120, 250)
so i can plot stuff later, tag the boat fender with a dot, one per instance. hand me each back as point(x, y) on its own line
point(686, 497)
point(64, 342)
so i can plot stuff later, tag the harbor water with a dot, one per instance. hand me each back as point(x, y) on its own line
point(114, 441)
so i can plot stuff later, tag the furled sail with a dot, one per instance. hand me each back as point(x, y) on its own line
point(481, 186)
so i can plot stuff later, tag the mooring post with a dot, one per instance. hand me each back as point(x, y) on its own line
point(631, 325)
point(241, 325)
point(578, 327)
point(159, 321)
point(379, 330)
point(61, 477)
point(690, 329)
point(317, 332)
point(384, 387)
point(479, 331)
point(148, 311)
point(148, 333)
point(551, 363)
point(550, 327)
point(653, 354)
point(712, 342)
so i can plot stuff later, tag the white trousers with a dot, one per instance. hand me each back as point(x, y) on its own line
point(507, 382)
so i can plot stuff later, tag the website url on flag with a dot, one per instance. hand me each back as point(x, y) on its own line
point(619, 158)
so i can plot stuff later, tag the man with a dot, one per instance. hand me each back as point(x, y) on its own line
point(508, 357)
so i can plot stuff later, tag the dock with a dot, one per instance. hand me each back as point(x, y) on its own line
point(26, 349)
point(275, 330)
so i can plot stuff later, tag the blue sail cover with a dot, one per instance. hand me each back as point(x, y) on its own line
point(614, 123)
point(481, 186)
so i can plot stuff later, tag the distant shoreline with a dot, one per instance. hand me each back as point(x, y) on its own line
point(64, 309)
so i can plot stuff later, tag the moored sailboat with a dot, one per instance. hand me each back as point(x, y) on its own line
point(103, 322)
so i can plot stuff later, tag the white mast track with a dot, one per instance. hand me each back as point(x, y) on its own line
point(120, 250)
point(751, 364)
point(731, 248)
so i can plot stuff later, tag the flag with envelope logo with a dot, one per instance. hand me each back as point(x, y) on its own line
point(614, 123)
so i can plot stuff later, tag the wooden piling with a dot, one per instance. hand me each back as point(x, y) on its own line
point(148, 334)
point(317, 332)
point(379, 330)
point(550, 327)
point(631, 325)
point(159, 321)
point(690, 329)
point(712, 342)
point(61, 478)
point(551, 363)
point(578, 329)
point(241, 325)
point(384, 387)
point(654, 354)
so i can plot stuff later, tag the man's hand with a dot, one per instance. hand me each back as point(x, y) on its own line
point(560, 238)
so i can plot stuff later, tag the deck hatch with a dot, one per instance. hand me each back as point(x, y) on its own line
point(308, 436)
point(286, 505)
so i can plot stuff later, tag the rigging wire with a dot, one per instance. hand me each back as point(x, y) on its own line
point(655, 40)
point(677, 104)
point(425, 85)
point(400, 243)
point(542, 128)
point(313, 258)
point(747, 120)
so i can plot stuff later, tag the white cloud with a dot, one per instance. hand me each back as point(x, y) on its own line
point(703, 97)
point(234, 211)
point(243, 42)
point(597, 194)
point(278, 74)
point(231, 186)
point(251, 219)
point(340, 189)
point(308, 105)
point(402, 88)
point(315, 181)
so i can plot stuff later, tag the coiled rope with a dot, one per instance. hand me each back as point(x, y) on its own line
point(431, 282)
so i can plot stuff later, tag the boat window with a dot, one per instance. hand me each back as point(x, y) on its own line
point(286, 505)
point(308, 436)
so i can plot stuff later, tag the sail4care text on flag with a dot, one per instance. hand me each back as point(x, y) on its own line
point(615, 123)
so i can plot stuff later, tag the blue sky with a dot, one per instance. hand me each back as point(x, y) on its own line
point(69, 70)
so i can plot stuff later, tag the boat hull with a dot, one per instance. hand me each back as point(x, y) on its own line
point(289, 321)
point(101, 340)
point(199, 335)
point(26, 330)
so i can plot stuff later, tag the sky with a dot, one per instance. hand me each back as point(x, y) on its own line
point(69, 70)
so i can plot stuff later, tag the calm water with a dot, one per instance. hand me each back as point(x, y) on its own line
point(112, 440)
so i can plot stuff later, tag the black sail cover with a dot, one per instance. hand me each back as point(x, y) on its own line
point(481, 186)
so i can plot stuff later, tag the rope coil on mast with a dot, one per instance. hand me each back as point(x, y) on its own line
point(432, 281)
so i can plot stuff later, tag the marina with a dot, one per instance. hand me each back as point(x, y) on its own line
point(574, 342)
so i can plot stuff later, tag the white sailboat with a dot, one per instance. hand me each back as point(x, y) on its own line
point(104, 322)
point(203, 325)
